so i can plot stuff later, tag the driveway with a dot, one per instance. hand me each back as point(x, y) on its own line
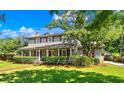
point(114, 63)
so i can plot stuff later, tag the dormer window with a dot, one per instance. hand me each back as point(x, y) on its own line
point(50, 39)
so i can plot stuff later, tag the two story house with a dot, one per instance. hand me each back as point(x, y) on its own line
point(52, 45)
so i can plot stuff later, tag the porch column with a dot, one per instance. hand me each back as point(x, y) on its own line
point(21, 53)
point(30, 53)
point(58, 52)
point(39, 55)
point(47, 52)
point(70, 51)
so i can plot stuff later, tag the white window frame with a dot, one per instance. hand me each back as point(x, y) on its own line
point(43, 40)
point(51, 39)
point(37, 39)
point(57, 39)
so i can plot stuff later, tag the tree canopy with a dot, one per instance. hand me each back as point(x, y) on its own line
point(91, 28)
point(9, 45)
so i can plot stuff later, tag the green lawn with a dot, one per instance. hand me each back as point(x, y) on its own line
point(59, 74)
point(6, 66)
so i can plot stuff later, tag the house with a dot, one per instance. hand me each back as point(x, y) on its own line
point(52, 45)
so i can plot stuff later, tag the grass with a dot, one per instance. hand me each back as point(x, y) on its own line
point(6, 66)
point(104, 73)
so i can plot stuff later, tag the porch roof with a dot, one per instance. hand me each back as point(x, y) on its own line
point(47, 35)
point(47, 45)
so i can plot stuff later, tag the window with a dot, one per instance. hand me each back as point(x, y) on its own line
point(50, 39)
point(31, 41)
point(56, 39)
point(38, 40)
point(43, 40)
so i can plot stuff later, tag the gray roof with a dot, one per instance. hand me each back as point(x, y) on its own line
point(48, 45)
point(43, 45)
point(47, 35)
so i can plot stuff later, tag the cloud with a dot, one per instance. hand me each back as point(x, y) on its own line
point(7, 33)
point(56, 17)
point(23, 31)
point(26, 31)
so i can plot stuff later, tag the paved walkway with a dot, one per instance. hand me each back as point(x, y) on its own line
point(114, 63)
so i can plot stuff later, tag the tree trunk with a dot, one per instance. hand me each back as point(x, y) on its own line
point(89, 53)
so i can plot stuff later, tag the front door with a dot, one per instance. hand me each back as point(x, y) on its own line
point(50, 53)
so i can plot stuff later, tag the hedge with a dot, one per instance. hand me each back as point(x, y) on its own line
point(6, 56)
point(73, 60)
point(84, 61)
point(24, 59)
point(55, 60)
point(114, 58)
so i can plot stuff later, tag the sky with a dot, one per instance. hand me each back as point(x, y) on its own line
point(26, 22)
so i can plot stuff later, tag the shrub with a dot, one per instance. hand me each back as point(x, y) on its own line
point(115, 54)
point(73, 60)
point(122, 53)
point(87, 61)
point(76, 60)
point(55, 60)
point(110, 58)
point(123, 59)
point(63, 60)
point(24, 59)
point(96, 61)
point(84, 61)
point(6, 56)
point(116, 58)
point(50, 60)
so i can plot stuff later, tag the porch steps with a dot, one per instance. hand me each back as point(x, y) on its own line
point(37, 63)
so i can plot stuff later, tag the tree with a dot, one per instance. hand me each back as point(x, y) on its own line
point(92, 34)
point(68, 20)
point(9, 45)
point(92, 40)
point(78, 19)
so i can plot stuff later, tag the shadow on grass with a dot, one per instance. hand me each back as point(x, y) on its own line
point(57, 76)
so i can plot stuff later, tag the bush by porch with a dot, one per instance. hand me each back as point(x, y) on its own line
point(72, 60)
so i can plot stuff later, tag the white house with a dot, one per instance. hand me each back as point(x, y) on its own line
point(52, 45)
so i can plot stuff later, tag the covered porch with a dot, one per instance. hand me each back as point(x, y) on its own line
point(56, 50)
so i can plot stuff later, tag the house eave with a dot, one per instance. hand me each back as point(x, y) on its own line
point(49, 35)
